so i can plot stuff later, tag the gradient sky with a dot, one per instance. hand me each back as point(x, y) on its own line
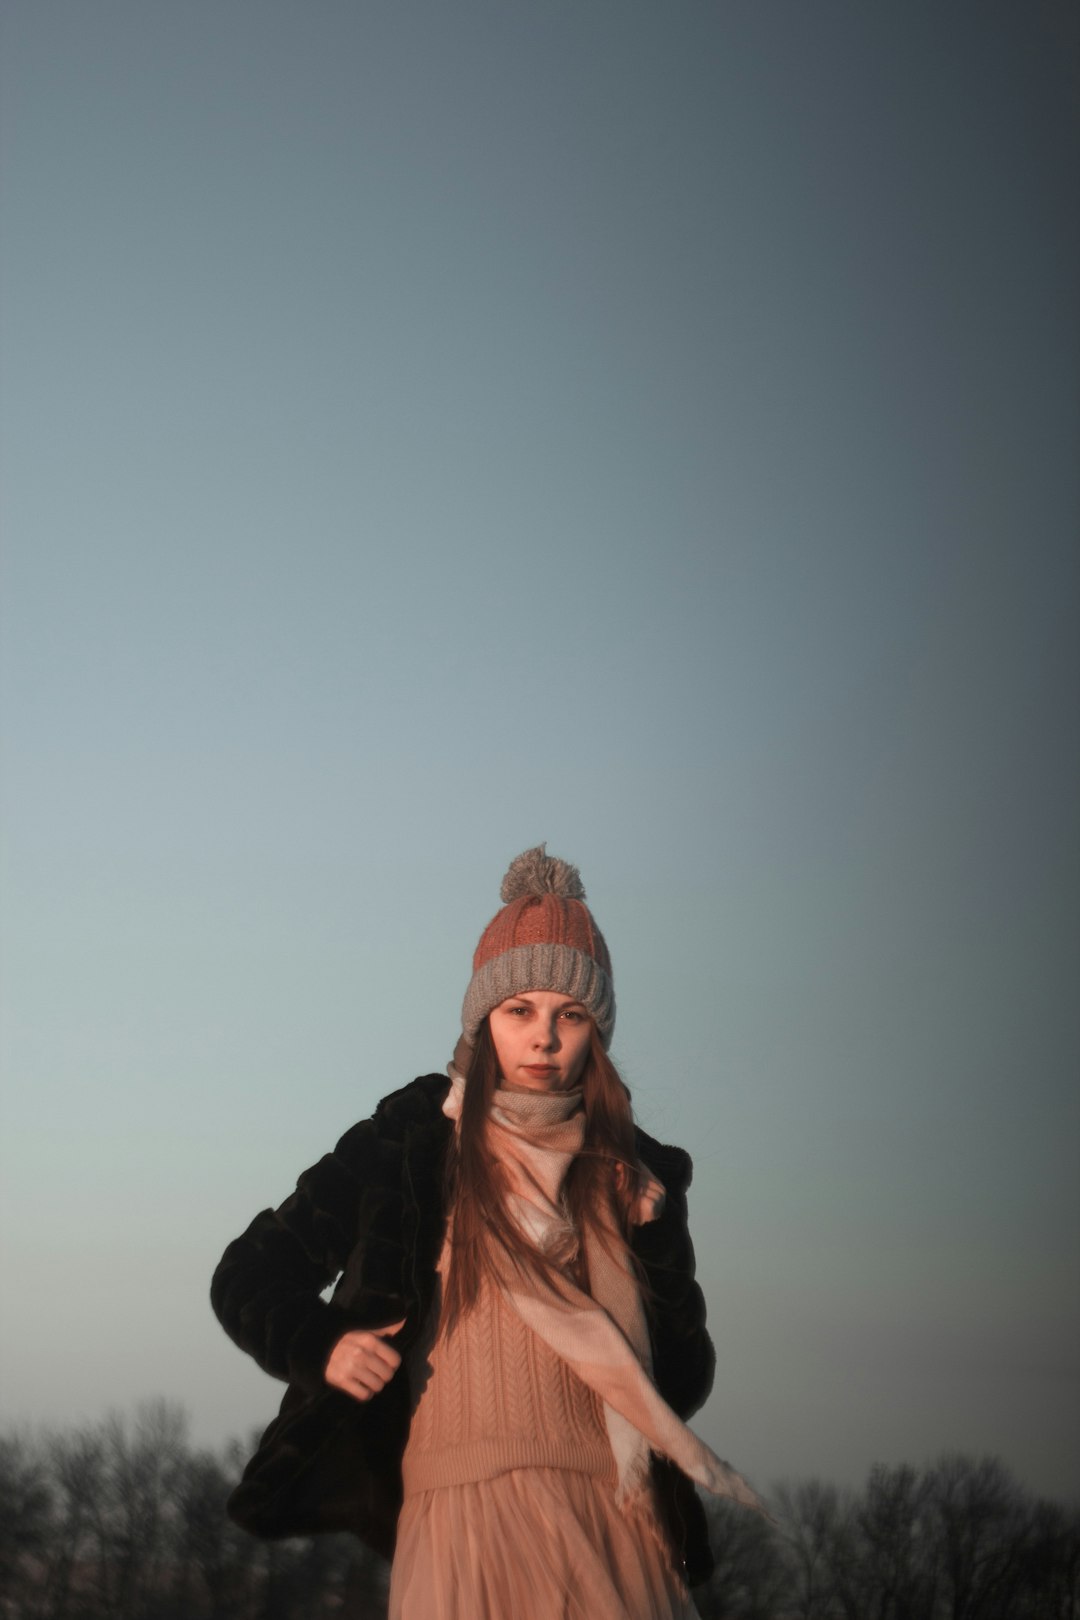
point(429, 429)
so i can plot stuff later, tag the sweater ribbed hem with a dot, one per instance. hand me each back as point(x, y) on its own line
point(485, 1459)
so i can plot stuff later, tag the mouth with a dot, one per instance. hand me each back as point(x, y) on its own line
point(540, 1069)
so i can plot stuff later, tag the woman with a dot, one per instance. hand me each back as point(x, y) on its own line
point(499, 1383)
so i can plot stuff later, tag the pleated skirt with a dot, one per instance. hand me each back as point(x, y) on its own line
point(533, 1544)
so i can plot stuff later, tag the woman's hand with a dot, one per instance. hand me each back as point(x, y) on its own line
point(361, 1364)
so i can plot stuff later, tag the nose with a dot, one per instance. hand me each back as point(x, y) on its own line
point(546, 1036)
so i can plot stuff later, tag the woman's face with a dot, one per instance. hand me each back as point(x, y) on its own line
point(541, 1040)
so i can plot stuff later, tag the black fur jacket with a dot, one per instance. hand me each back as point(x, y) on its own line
point(371, 1214)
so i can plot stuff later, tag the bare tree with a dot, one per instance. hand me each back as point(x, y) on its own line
point(895, 1567)
point(124, 1521)
point(77, 1470)
point(214, 1562)
point(982, 1520)
point(25, 1522)
point(1049, 1584)
point(130, 1520)
point(815, 1524)
point(750, 1579)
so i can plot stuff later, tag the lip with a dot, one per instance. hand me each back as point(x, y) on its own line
point(539, 1069)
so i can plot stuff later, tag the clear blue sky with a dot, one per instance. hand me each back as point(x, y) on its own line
point(651, 428)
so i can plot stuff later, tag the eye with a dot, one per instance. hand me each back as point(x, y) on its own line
point(574, 1014)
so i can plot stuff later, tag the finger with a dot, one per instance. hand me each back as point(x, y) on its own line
point(373, 1378)
point(358, 1372)
point(390, 1329)
point(366, 1384)
point(362, 1344)
point(382, 1355)
point(348, 1385)
point(357, 1391)
point(363, 1382)
point(377, 1358)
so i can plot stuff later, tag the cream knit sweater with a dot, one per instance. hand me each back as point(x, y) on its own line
point(494, 1397)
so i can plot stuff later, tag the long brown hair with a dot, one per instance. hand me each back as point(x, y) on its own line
point(601, 1183)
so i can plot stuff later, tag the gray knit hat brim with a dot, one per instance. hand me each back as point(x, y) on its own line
point(562, 968)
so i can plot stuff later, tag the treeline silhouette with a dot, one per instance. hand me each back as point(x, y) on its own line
point(124, 1520)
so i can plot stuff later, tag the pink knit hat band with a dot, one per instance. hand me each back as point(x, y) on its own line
point(532, 919)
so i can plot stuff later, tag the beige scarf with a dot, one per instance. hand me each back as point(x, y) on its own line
point(603, 1336)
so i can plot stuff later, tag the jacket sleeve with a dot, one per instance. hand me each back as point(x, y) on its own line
point(267, 1287)
point(684, 1360)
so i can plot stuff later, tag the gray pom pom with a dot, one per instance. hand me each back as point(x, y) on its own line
point(536, 872)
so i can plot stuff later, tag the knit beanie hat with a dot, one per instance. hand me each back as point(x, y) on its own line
point(544, 938)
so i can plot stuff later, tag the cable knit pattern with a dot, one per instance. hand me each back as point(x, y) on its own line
point(494, 1397)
